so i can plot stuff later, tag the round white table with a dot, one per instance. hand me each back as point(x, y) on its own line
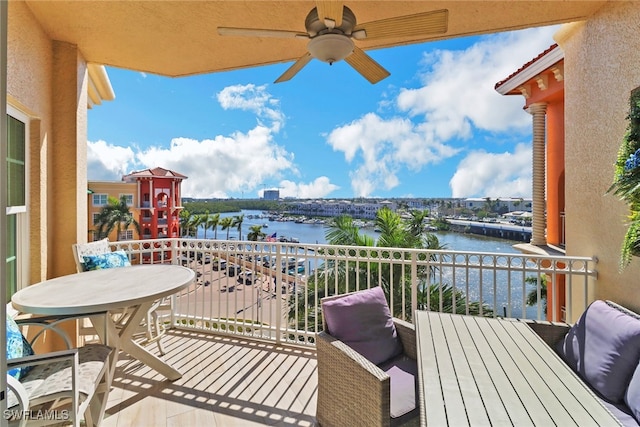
point(111, 290)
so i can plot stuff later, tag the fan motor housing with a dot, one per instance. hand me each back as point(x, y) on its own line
point(315, 25)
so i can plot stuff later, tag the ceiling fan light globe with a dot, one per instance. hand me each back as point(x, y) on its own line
point(330, 47)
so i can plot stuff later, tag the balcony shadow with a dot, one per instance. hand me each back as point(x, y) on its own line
point(253, 382)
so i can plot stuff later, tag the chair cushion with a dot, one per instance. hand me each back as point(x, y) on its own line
point(362, 320)
point(603, 347)
point(17, 346)
point(621, 412)
point(108, 260)
point(402, 372)
point(632, 395)
point(54, 379)
point(91, 248)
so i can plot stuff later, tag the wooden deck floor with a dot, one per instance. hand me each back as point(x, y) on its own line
point(226, 382)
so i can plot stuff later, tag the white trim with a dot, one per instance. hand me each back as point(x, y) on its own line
point(13, 210)
point(22, 212)
point(531, 71)
point(99, 87)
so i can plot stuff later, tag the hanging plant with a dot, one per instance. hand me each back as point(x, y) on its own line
point(626, 182)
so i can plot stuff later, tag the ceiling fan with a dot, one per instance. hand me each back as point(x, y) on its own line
point(331, 31)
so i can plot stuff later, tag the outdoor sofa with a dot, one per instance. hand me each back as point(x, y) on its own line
point(603, 349)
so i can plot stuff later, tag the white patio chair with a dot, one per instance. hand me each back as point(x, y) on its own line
point(153, 329)
point(62, 386)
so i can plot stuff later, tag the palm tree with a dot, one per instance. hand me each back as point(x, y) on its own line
point(532, 296)
point(255, 233)
point(205, 222)
point(185, 216)
point(226, 223)
point(416, 224)
point(115, 215)
point(237, 222)
point(303, 308)
point(198, 220)
point(342, 231)
point(189, 224)
point(214, 221)
point(392, 232)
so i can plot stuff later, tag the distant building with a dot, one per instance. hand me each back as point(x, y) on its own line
point(154, 197)
point(506, 204)
point(99, 193)
point(332, 208)
point(271, 195)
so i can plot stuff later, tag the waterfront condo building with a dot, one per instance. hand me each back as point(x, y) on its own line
point(154, 197)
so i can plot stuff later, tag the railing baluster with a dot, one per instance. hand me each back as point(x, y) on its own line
point(333, 269)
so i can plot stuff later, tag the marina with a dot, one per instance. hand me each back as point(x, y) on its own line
point(314, 233)
point(303, 263)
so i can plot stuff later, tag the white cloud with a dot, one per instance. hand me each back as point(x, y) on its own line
point(482, 174)
point(255, 99)
point(457, 100)
point(237, 163)
point(383, 147)
point(106, 162)
point(216, 167)
point(319, 188)
point(458, 89)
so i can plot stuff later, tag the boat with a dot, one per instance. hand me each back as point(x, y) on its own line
point(296, 265)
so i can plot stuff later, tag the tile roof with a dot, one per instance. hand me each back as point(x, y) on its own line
point(155, 172)
point(527, 65)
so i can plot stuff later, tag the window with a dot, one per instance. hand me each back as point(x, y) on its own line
point(17, 223)
point(100, 199)
point(126, 235)
point(96, 215)
point(128, 197)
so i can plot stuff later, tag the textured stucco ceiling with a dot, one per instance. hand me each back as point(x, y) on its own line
point(177, 38)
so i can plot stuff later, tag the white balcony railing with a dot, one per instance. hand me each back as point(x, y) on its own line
point(271, 290)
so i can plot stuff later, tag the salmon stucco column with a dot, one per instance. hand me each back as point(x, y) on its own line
point(538, 111)
point(67, 193)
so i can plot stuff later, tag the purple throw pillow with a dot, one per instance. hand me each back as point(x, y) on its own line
point(603, 347)
point(362, 320)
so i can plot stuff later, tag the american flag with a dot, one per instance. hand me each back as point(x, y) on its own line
point(272, 238)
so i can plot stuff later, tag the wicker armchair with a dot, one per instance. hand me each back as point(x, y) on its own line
point(352, 391)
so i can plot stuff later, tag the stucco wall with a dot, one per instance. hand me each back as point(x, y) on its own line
point(29, 68)
point(46, 80)
point(602, 66)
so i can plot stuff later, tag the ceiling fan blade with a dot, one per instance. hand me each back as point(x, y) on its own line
point(257, 32)
point(420, 24)
point(293, 70)
point(331, 10)
point(365, 65)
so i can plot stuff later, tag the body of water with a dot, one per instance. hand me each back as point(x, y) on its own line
point(314, 233)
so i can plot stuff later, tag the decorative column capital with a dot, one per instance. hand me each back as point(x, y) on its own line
point(537, 108)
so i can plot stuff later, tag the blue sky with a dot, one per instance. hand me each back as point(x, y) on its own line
point(435, 128)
